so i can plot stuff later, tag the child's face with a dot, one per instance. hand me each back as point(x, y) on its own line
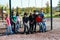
point(39, 16)
point(13, 14)
point(6, 16)
point(25, 15)
point(30, 13)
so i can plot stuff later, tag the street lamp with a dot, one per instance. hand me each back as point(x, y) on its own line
point(51, 14)
point(17, 11)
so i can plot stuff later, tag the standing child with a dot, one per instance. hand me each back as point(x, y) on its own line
point(39, 21)
point(14, 20)
point(25, 23)
point(8, 25)
point(31, 23)
point(43, 20)
point(34, 24)
point(18, 22)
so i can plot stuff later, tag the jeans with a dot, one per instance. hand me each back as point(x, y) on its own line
point(9, 30)
point(25, 27)
point(17, 27)
point(13, 27)
point(34, 27)
point(42, 26)
point(31, 28)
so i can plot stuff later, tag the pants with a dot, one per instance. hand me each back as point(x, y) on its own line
point(17, 27)
point(31, 28)
point(25, 27)
point(34, 26)
point(9, 30)
point(13, 27)
point(42, 27)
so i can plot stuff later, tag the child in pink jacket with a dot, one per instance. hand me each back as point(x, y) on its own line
point(8, 25)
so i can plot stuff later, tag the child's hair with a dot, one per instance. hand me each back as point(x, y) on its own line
point(17, 14)
point(25, 13)
point(31, 14)
point(34, 10)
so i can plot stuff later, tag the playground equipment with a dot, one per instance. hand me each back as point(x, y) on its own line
point(35, 4)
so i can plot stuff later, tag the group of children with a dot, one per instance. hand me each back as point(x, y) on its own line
point(29, 23)
point(12, 24)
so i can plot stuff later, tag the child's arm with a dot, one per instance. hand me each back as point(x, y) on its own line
point(5, 23)
point(13, 21)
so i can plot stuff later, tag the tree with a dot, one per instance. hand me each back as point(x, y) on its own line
point(19, 10)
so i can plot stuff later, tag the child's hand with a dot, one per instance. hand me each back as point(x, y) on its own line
point(31, 22)
point(5, 24)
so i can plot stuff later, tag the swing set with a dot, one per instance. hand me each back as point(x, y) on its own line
point(35, 5)
point(28, 10)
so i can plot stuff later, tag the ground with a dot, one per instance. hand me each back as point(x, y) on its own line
point(49, 35)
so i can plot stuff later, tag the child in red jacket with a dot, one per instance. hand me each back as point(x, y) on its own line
point(39, 21)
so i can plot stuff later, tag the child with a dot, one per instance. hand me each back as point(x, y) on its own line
point(25, 22)
point(8, 25)
point(39, 21)
point(18, 23)
point(14, 21)
point(31, 23)
point(43, 20)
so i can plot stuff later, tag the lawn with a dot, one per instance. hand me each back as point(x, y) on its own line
point(55, 15)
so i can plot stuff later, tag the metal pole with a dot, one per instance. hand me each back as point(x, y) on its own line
point(17, 11)
point(21, 4)
point(35, 3)
point(28, 2)
point(10, 9)
point(51, 14)
point(41, 3)
point(28, 5)
point(2, 13)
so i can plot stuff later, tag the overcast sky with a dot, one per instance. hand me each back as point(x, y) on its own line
point(32, 3)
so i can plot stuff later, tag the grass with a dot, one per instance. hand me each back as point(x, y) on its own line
point(55, 15)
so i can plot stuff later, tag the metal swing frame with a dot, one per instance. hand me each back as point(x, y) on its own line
point(35, 4)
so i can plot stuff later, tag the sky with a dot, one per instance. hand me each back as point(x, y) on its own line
point(28, 3)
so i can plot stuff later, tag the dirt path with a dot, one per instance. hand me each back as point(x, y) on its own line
point(50, 35)
point(56, 23)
